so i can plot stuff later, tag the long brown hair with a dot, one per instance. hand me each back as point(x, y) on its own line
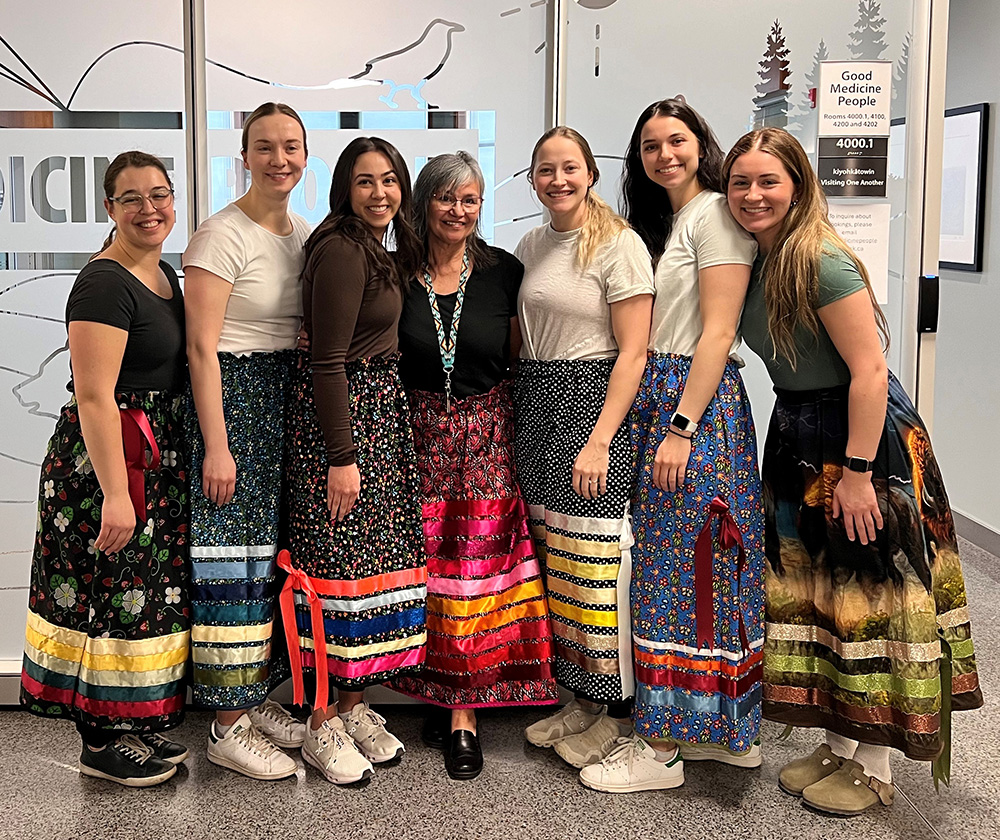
point(791, 268)
point(124, 161)
point(397, 268)
point(603, 223)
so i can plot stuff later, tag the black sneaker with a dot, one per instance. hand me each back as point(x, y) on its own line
point(127, 761)
point(163, 748)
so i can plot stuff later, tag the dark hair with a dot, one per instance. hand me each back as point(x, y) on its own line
point(443, 174)
point(269, 109)
point(341, 218)
point(645, 204)
point(134, 159)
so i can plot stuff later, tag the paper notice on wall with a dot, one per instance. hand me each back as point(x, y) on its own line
point(865, 227)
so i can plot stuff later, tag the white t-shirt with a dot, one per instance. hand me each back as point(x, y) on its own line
point(564, 312)
point(704, 234)
point(265, 306)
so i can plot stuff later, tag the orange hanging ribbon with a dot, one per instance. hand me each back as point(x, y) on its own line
point(297, 579)
point(704, 574)
point(136, 433)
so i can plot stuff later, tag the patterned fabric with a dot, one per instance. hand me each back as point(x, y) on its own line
point(685, 691)
point(854, 632)
point(489, 641)
point(233, 547)
point(583, 543)
point(368, 569)
point(107, 637)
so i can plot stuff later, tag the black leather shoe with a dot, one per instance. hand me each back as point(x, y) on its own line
point(463, 757)
point(435, 728)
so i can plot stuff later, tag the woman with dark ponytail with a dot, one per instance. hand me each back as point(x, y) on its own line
point(108, 616)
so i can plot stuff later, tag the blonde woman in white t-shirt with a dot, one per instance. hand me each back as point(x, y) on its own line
point(244, 308)
point(697, 566)
point(583, 308)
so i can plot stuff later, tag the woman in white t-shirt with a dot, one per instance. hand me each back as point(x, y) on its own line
point(583, 308)
point(244, 308)
point(697, 565)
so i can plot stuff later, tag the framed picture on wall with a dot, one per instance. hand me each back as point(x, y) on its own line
point(963, 187)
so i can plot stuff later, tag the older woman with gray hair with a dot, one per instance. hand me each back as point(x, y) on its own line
point(489, 641)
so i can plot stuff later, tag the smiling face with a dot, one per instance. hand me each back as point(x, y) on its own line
point(147, 227)
point(275, 155)
point(670, 156)
point(375, 192)
point(455, 224)
point(760, 194)
point(561, 181)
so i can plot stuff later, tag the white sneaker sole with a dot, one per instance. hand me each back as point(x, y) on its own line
point(652, 784)
point(331, 777)
point(177, 759)
point(380, 759)
point(545, 743)
point(246, 771)
point(576, 760)
point(147, 781)
point(732, 759)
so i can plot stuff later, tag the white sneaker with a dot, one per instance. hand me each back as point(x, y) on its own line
point(246, 750)
point(367, 728)
point(571, 719)
point(712, 752)
point(591, 745)
point(281, 728)
point(633, 766)
point(333, 752)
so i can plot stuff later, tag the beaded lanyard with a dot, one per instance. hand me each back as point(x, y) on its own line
point(447, 345)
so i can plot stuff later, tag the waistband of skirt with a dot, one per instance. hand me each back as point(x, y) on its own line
point(684, 362)
point(555, 367)
point(837, 393)
point(499, 394)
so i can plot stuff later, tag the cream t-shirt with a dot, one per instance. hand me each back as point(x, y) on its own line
point(564, 311)
point(704, 235)
point(265, 306)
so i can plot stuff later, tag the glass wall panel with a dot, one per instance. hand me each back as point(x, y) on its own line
point(70, 104)
point(430, 77)
point(741, 65)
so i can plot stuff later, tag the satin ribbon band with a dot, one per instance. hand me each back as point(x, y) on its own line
point(297, 579)
point(136, 435)
point(704, 574)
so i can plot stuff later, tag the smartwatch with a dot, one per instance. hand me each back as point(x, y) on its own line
point(855, 464)
point(684, 424)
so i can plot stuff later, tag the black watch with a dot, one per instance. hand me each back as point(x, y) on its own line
point(855, 464)
point(684, 424)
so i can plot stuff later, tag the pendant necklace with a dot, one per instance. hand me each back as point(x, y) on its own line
point(446, 344)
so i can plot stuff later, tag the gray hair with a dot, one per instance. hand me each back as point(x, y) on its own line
point(445, 174)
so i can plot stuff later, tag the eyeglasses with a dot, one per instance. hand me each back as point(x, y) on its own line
point(132, 203)
point(470, 203)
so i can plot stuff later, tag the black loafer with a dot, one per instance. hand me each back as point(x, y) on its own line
point(463, 757)
point(435, 728)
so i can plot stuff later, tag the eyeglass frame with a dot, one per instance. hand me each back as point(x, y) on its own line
point(450, 205)
point(121, 201)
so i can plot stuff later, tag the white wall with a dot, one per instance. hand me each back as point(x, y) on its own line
point(967, 388)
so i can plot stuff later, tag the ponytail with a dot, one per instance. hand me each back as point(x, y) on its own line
point(602, 225)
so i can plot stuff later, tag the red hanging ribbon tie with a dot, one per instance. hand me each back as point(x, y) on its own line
point(136, 434)
point(704, 574)
point(297, 579)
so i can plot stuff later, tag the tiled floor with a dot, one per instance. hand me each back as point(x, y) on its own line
point(523, 793)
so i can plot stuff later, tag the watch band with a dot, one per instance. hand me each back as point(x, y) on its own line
point(855, 464)
point(684, 424)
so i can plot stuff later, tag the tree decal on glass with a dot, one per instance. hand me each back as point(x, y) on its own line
point(868, 38)
point(772, 93)
point(806, 113)
point(898, 108)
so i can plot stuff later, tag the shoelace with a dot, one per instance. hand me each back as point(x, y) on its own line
point(337, 737)
point(275, 712)
point(134, 749)
point(372, 718)
point(157, 739)
point(255, 741)
point(623, 752)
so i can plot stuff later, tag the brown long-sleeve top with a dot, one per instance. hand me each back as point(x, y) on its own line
point(348, 315)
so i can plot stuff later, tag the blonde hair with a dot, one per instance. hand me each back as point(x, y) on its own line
point(603, 224)
point(791, 268)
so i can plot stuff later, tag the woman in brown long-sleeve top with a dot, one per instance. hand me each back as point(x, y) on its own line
point(354, 604)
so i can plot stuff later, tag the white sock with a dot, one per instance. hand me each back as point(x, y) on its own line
point(663, 755)
point(220, 730)
point(875, 761)
point(839, 745)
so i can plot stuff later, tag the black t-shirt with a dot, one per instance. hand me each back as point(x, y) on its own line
point(107, 293)
point(482, 357)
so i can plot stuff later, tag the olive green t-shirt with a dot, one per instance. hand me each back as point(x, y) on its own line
point(818, 363)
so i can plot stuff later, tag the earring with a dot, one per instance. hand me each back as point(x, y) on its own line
point(795, 202)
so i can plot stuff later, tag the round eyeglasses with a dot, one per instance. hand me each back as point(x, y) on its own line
point(470, 203)
point(132, 203)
